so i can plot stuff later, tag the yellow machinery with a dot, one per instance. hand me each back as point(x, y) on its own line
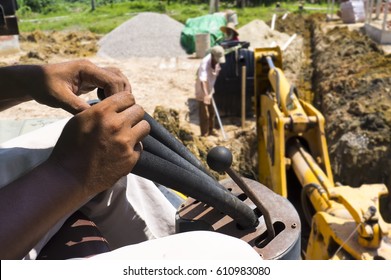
point(345, 222)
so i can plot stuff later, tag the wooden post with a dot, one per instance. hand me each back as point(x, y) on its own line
point(243, 96)
point(213, 6)
point(385, 15)
point(273, 21)
point(378, 4)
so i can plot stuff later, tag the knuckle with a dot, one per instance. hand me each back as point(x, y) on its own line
point(116, 70)
point(99, 112)
point(83, 62)
point(113, 127)
point(129, 97)
point(138, 109)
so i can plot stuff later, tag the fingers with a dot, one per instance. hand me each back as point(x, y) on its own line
point(111, 80)
point(130, 115)
point(73, 104)
point(116, 71)
point(118, 102)
point(140, 130)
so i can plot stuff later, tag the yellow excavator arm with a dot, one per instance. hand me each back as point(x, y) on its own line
point(345, 222)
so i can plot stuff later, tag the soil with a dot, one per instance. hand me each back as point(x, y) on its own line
point(349, 74)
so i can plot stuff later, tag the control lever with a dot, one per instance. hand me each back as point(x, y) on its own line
point(220, 159)
point(166, 161)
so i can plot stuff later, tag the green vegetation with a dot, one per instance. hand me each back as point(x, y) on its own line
point(108, 14)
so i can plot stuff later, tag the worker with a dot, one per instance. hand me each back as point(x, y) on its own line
point(204, 88)
point(84, 163)
point(230, 33)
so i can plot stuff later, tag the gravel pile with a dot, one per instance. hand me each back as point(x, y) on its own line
point(260, 35)
point(145, 35)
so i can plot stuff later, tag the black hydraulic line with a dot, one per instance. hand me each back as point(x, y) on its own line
point(156, 148)
point(164, 136)
point(198, 187)
point(190, 179)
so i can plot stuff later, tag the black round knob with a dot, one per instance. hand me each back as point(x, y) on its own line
point(219, 158)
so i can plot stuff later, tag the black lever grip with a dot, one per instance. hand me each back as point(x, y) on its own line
point(164, 136)
point(199, 187)
point(156, 148)
point(162, 162)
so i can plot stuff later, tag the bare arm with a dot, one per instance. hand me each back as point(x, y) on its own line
point(207, 94)
point(96, 148)
point(58, 85)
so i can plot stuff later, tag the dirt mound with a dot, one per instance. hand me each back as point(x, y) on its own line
point(260, 35)
point(352, 82)
point(40, 47)
point(145, 35)
point(241, 142)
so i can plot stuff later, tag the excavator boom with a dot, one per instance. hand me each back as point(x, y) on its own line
point(344, 222)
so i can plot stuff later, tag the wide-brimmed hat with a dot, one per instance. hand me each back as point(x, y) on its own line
point(229, 26)
point(218, 54)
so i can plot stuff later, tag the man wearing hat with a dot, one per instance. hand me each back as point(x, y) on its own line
point(204, 87)
point(230, 33)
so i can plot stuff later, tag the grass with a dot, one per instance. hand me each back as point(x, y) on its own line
point(78, 16)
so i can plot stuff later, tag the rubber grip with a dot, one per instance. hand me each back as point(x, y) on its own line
point(161, 134)
point(198, 187)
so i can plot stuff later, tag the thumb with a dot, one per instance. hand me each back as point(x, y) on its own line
point(74, 104)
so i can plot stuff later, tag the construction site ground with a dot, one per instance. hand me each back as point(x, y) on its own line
point(342, 72)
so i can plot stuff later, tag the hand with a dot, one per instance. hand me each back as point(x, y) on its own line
point(100, 145)
point(207, 99)
point(58, 85)
point(65, 81)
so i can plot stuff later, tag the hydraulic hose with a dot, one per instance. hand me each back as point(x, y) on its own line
point(199, 187)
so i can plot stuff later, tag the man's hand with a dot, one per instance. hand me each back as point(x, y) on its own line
point(58, 85)
point(100, 145)
point(207, 99)
point(65, 81)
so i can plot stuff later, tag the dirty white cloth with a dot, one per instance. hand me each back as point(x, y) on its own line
point(132, 211)
point(134, 216)
point(194, 245)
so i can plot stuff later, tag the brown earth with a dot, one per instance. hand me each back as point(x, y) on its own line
point(164, 85)
point(349, 74)
point(351, 78)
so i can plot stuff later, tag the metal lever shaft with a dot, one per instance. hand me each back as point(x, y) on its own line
point(220, 159)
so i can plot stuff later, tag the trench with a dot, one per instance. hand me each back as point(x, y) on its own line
point(346, 76)
point(349, 76)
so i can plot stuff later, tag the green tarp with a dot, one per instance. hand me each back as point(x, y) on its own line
point(205, 24)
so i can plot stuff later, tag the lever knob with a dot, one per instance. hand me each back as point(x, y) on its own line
point(219, 159)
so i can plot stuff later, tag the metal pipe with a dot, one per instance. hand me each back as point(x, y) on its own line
point(309, 173)
point(218, 118)
point(256, 200)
